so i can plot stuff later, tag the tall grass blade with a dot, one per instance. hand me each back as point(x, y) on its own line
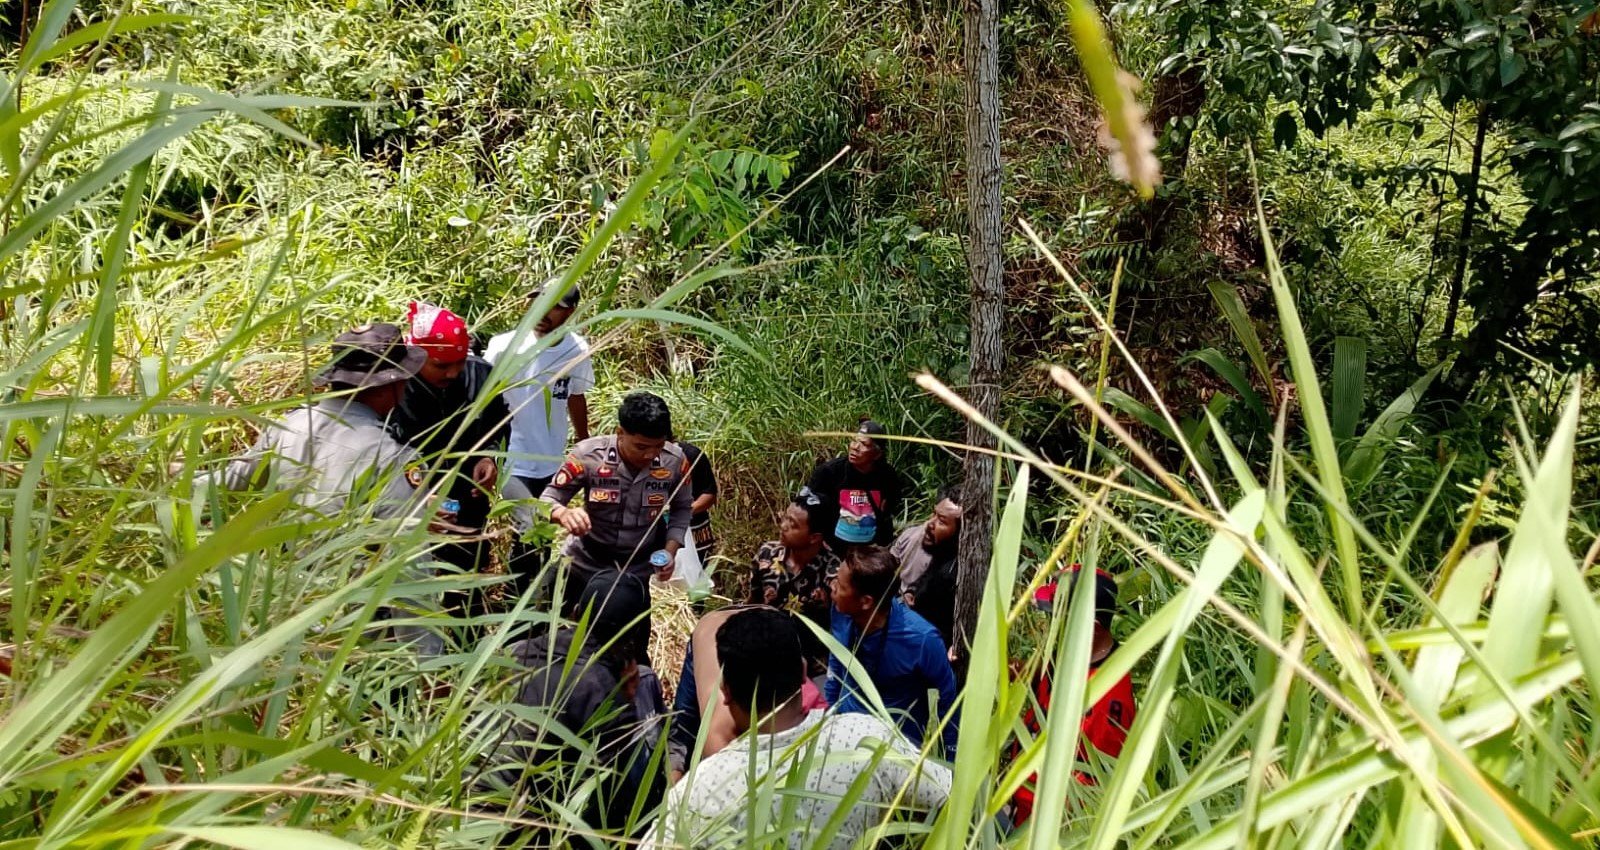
point(262, 837)
point(1221, 556)
point(1536, 551)
point(1068, 688)
point(1367, 766)
point(1233, 310)
point(987, 668)
point(47, 710)
point(1324, 450)
point(239, 663)
point(1380, 435)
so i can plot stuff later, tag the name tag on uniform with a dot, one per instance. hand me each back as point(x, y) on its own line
point(604, 495)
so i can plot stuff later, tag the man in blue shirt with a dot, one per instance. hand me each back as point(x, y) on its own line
point(902, 654)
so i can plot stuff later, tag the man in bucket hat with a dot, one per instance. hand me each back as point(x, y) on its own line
point(336, 453)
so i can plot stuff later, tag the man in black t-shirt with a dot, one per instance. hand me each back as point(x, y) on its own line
point(703, 486)
point(436, 419)
point(860, 490)
point(927, 557)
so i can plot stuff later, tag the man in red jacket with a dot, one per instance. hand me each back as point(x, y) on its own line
point(1105, 725)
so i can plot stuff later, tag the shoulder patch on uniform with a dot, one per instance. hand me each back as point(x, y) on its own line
point(568, 471)
point(660, 472)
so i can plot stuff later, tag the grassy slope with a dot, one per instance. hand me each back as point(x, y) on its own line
point(513, 124)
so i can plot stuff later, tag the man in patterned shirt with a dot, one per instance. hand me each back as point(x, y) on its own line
point(839, 754)
point(795, 572)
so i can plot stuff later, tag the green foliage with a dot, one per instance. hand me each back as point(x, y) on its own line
point(1523, 71)
point(1316, 662)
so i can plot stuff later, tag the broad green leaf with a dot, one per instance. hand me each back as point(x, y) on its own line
point(1349, 384)
point(1381, 434)
point(1236, 378)
point(1124, 403)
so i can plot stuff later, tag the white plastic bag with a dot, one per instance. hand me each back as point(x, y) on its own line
point(690, 573)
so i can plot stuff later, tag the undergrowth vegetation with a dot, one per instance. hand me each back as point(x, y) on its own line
point(1351, 624)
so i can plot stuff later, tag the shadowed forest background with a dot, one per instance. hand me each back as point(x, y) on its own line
point(197, 196)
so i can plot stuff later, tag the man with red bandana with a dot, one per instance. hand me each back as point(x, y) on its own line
point(1105, 725)
point(441, 418)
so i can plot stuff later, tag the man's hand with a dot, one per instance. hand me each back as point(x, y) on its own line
point(909, 598)
point(665, 573)
point(771, 595)
point(574, 520)
point(485, 473)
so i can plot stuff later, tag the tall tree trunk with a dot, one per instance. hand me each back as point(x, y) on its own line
point(1464, 240)
point(982, 31)
point(1499, 317)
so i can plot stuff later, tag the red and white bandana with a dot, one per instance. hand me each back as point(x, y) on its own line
point(437, 331)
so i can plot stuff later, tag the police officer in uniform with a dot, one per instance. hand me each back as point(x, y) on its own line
point(638, 498)
point(336, 452)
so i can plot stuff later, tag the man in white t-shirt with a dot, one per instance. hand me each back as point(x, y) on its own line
point(763, 666)
point(549, 389)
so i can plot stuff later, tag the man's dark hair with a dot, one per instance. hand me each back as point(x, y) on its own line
point(952, 495)
point(645, 414)
point(618, 607)
point(569, 299)
point(873, 571)
point(816, 510)
point(763, 665)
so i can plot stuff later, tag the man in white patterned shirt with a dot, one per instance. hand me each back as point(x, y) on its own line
point(744, 796)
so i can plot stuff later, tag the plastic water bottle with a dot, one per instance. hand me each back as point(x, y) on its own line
point(660, 559)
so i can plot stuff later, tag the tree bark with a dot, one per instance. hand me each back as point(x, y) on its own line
point(1499, 317)
point(1469, 216)
point(984, 262)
